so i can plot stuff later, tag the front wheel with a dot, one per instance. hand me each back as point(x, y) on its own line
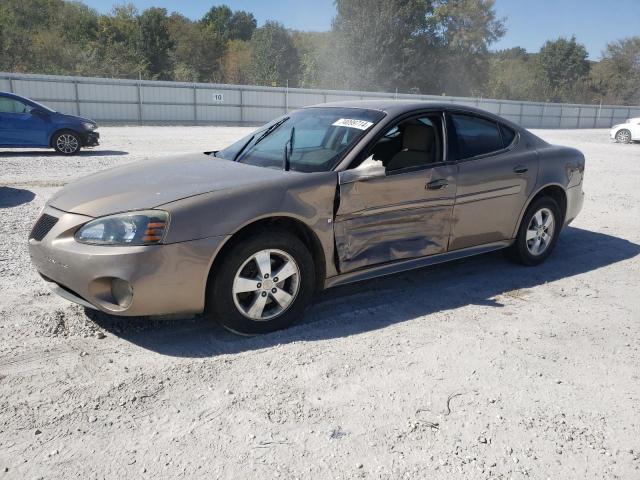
point(67, 143)
point(623, 136)
point(538, 232)
point(262, 284)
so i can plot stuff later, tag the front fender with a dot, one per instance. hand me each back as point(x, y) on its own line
point(305, 197)
point(60, 127)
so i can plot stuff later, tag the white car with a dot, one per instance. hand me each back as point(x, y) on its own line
point(626, 132)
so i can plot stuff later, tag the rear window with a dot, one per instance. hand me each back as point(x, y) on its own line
point(475, 136)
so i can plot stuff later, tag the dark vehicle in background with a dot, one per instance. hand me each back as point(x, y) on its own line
point(323, 196)
point(28, 124)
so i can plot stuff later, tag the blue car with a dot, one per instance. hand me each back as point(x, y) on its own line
point(27, 124)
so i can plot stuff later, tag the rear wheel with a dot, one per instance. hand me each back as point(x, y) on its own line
point(538, 232)
point(623, 136)
point(67, 142)
point(262, 284)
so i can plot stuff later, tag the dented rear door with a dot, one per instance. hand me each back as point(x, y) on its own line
point(399, 216)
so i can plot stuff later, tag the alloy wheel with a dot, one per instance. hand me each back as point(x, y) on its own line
point(266, 284)
point(67, 143)
point(623, 136)
point(540, 231)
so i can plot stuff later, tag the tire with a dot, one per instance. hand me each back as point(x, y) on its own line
point(623, 136)
point(67, 142)
point(245, 295)
point(531, 248)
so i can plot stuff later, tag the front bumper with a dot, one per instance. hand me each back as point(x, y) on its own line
point(91, 139)
point(575, 200)
point(163, 279)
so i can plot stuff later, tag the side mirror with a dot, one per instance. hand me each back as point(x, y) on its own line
point(363, 172)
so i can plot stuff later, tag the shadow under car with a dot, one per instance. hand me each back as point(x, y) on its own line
point(355, 308)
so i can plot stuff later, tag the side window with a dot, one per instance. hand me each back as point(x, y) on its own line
point(9, 105)
point(508, 135)
point(475, 136)
point(415, 142)
point(393, 132)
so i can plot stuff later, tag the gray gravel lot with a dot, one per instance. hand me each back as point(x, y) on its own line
point(475, 369)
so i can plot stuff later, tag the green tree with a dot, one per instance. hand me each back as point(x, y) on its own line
point(78, 22)
point(419, 45)
point(274, 59)
point(312, 51)
point(115, 51)
point(563, 68)
point(155, 41)
point(465, 29)
point(235, 62)
point(218, 18)
point(616, 78)
point(230, 25)
point(45, 36)
point(513, 74)
point(242, 25)
point(379, 42)
point(197, 50)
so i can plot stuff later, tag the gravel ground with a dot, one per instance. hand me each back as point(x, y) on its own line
point(474, 369)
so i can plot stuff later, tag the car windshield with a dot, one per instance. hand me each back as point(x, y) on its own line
point(315, 139)
point(43, 107)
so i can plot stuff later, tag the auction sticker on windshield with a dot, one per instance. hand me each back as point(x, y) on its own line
point(352, 123)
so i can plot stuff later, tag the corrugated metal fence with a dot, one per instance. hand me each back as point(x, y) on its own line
point(151, 102)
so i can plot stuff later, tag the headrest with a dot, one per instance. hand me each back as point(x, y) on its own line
point(418, 137)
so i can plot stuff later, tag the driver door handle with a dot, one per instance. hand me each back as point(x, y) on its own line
point(520, 169)
point(437, 184)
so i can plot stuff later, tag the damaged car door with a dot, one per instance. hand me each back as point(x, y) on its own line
point(397, 203)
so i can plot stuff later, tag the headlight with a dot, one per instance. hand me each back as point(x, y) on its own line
point(89, 126)
point(145, 227)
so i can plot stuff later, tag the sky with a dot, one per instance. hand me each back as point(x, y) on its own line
point(529, 22)
point(594, 22)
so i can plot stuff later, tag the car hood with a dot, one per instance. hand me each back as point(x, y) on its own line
point(149, 184)
point(64, 116)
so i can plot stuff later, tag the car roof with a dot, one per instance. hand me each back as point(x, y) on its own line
point(12, 95)
point(395, 107)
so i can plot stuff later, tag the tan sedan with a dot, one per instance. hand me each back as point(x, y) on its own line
point(323, 196)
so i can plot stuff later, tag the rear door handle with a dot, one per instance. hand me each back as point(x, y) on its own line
point(520, 169)
point(437, 184)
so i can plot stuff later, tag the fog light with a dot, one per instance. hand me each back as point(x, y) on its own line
point(122, 292)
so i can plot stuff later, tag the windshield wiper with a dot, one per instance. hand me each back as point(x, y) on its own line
point(259, 139)
point(237, 155)
point(270, 129)
point(288, 149)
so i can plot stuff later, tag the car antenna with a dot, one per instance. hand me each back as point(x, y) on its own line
point(288, 148)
